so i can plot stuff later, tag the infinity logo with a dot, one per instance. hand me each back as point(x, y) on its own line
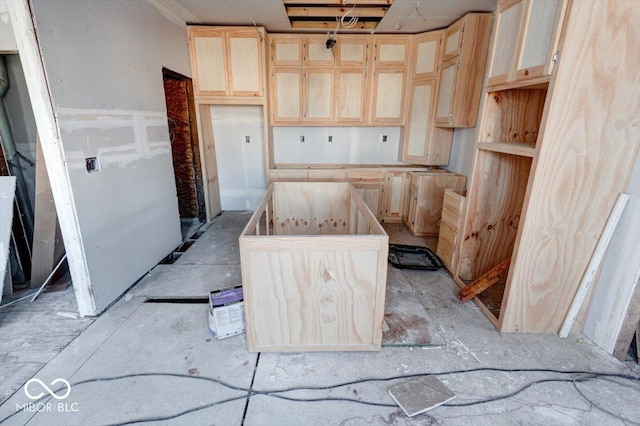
point(52, 393)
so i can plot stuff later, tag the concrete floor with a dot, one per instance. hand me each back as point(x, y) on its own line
point(156, 363)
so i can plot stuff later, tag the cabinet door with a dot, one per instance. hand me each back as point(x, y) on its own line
point(505, 41)
point(453, 40)
point(316, 52)
point(426, 56)
point(286, 50)
point(417, 131)
point(371, 193)
point(392, 51)
point(351, 51)
point(350, 95)
point(246, 63)
point(286, 104)
point(540, 35)
point(208, 54)
point(444, 110)
point(318, 95)
point(394, 198)
point(388, 96)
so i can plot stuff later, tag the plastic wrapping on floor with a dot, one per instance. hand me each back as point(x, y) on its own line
point(413, 257)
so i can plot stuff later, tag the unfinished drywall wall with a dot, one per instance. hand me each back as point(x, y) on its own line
point(23, 124)
point(619, 273)
point(462, 151)
point(349, 145)
point(7, 40)
point(240, 162)
point(104, 64)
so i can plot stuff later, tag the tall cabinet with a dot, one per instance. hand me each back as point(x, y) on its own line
point(552, 154)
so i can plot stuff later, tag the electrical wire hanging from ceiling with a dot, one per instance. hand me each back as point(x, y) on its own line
point(353, 20)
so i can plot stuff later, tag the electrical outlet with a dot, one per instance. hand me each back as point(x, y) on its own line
point(384, 138)
point(301, 138)
point(247, 139)
point(92, 164)
point(330, 138)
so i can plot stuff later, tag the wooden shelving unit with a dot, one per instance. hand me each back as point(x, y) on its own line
point(552, 154)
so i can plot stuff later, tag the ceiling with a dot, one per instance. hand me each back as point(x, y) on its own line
point(401, 16)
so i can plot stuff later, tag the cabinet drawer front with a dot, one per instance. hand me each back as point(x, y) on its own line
point(445, 252)
point(448, 233)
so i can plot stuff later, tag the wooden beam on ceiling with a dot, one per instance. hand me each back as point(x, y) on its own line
point(338, 2)
point(375, 12)
point(330, 25)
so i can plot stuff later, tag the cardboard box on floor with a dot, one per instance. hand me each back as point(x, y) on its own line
point(226, 312)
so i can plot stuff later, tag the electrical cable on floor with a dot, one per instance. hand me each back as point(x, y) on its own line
point(275, 393)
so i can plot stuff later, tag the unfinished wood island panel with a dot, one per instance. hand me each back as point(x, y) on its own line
point(314, 267)
point(549, 164)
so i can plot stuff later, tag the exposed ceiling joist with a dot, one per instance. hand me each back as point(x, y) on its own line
point(330, 25)
point(337, 2)
point(376, 12)
point(349, 14)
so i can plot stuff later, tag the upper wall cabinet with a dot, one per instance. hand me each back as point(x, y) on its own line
point(463, 63)
point(351, 51)
point(286, 50)
point(391, 51)
point(527, 35)
point(426, 55)
point(227, 61)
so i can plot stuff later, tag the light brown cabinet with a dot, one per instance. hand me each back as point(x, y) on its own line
point(527, 36)
point(396, 191)
point(549, 164)
point(367, 76)
point(227, 61)
point(426, 195)
point(450, 224)
point(388, 97)
point(462, 72)
point(424, 143)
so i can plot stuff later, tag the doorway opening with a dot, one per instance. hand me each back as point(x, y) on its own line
point(183, 135)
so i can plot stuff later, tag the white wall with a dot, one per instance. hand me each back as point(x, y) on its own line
point(241, 167)
point(619, 274)
point(351, 145)
point(462, 151)
point(103, 60)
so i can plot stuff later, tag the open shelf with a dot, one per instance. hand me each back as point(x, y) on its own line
point(511, 120)
point(514, 148)
point(492, 220)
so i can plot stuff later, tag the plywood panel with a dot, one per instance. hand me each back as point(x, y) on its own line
point(419, 119)
point(584, 161)
point(350, 95)
point(245, 64)
point(317, 52)
point(431, 189)
point(494, 212)
point(351, 51)
point(319, 95)
point(389, 96)
point(211, 73)
point(427, 54)
point(447, 91)
point(311, 209)
point(512, 116)
point(313, 298)
point(288, 95)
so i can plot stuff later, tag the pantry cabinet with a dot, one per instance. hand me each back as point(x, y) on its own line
point(462, 71)
point(227, 61)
